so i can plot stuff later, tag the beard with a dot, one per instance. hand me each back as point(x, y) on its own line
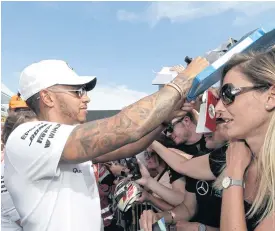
point(67, 113)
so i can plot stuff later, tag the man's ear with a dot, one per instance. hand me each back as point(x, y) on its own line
point(47, 98)
point(186, 121)
point(270, 102)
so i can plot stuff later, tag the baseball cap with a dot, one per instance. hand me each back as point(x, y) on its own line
point(46, 73)
point(17, 102)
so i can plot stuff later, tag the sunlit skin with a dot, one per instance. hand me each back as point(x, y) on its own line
point(218, 138)
point(69, 105)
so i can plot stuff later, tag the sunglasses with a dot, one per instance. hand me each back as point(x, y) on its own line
point(80, 92)
point(170, 127)
point(148, 155)
point(228, 92)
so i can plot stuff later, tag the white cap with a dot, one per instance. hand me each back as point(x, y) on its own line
point(46, 73)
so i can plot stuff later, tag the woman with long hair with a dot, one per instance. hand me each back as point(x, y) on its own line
point(247, 102)
point(246, 172)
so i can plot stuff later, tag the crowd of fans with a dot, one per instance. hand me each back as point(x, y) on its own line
point(145, 164)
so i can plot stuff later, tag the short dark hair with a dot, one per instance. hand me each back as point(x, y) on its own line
point(190, 115)
point(33, 103)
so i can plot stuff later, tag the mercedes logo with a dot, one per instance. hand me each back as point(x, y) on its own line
point(202, 188)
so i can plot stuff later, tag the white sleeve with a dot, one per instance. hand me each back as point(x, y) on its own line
point(34, 149)
point(7, 207)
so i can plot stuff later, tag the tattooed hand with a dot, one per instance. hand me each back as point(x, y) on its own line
point(178, 68)
point(100, 137)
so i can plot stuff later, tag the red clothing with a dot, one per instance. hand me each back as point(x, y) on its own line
point(106, 188)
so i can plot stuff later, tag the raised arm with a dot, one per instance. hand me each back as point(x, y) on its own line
point(238, 157)
point(172, 196)
point(158, 202)
point(173, 159)
point(96, 138)
point(197, 168)
point(130, 149)
point(140, 145)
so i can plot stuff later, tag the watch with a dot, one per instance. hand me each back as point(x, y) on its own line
point(227, 182)
point(202, 227)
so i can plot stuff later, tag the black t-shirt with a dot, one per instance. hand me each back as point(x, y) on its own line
point(208, 201)
point(217, 160)
point(173, 175)
point(196, 149)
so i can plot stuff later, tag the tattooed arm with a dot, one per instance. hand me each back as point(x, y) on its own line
point(130, 149)
point(96, 138)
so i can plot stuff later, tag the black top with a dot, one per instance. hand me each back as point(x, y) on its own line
point(217, 159)
point(206, 196)
point(173, 175)
point(196, 149)
point(208, 202)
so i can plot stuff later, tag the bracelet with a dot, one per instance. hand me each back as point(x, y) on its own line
point(176, 87)
point(173, 82)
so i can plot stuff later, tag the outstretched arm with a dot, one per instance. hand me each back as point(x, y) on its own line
point(97, 138)
point(130, 149)
point(173, 159)
point(140, 145)
point(172, 196)
point(158, 202)
point(197, 168)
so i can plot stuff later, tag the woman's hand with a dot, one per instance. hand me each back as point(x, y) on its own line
point(147, 219)
point(145, 175)
point(238, 157)
point(144, 196)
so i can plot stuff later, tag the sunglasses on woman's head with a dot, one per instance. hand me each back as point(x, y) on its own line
point(228, 92)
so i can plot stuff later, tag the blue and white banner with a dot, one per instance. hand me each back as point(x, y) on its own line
point(256, 40)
